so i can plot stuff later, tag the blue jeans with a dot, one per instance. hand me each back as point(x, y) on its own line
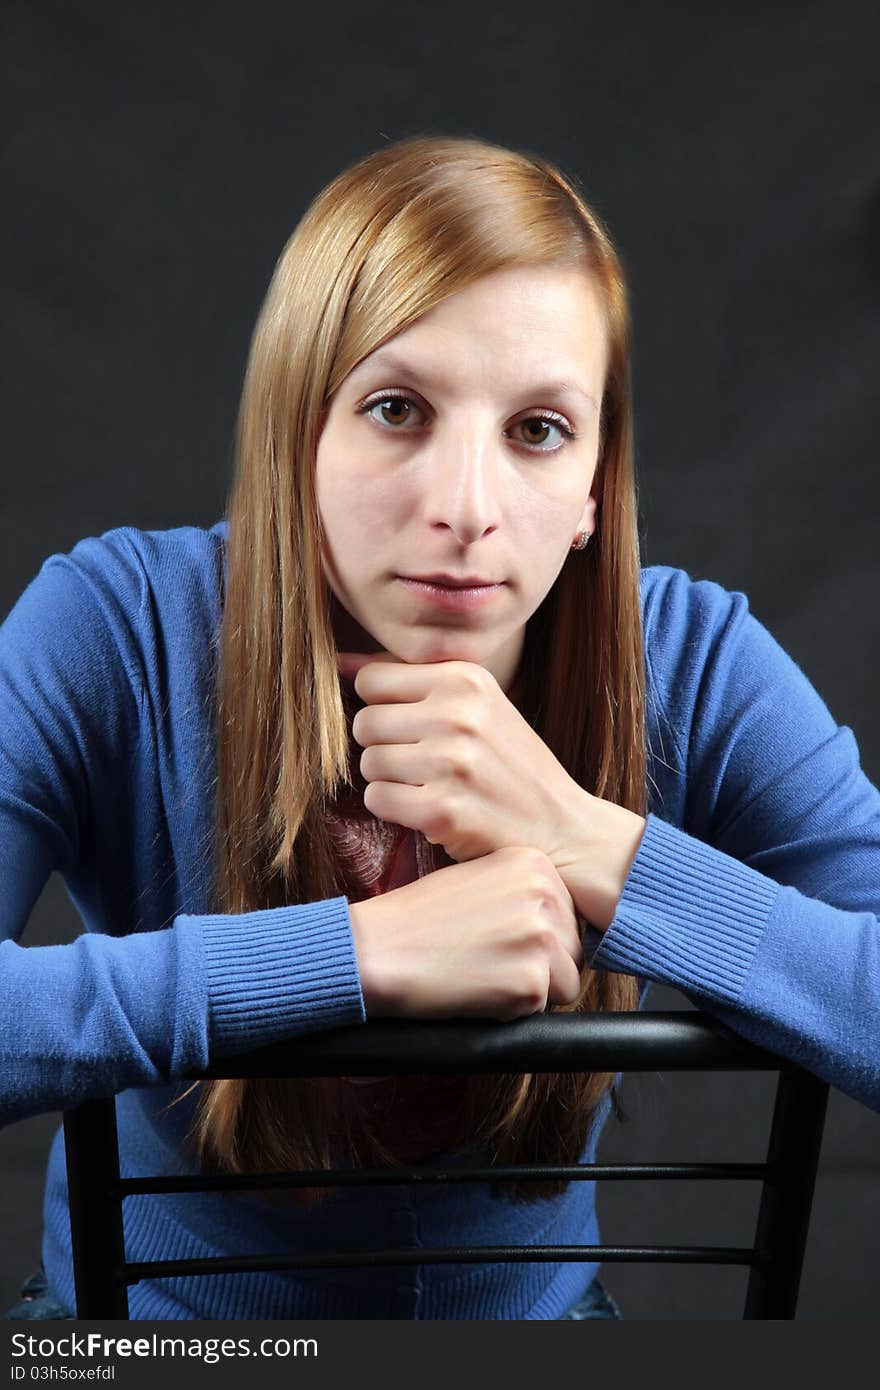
point(597, 1302)
point(38, 1302)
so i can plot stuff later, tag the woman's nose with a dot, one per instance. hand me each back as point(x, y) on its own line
point(462, 485)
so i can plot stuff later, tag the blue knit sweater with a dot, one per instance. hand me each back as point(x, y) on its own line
point(754, 890)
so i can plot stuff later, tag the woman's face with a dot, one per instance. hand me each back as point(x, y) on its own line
point(445, 452)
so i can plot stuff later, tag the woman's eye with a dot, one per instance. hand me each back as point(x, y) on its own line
point(396, 410)
point(536, 427)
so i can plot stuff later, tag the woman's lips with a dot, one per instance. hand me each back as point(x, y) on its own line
point(455, 600)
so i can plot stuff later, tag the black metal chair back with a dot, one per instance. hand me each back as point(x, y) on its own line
point(541, 1043)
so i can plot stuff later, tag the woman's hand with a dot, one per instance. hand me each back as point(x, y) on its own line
point(448, 754)
point(496, 938)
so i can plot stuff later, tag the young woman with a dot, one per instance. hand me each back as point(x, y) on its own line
point(410, 732)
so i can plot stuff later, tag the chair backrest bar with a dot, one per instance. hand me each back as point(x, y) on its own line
point(787, 1195)
point(542, 1043)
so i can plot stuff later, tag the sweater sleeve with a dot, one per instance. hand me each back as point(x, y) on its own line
point(109, 1011)
point(762, 908)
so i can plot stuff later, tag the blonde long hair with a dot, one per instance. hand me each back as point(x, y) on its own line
point(390, 237)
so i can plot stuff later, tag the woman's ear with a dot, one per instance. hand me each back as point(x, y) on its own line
point(588, 515)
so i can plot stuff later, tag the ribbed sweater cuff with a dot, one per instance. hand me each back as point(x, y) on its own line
point(690, 915)
point(279, 971)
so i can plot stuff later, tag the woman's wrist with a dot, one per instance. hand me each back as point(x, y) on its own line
point(378, 995)
point(358, 914)
point(595, 863)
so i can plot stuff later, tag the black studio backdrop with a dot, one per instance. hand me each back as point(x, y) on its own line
point(154, 161)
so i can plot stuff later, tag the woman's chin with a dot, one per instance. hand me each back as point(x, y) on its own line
point(445, 649)
point(444, 652)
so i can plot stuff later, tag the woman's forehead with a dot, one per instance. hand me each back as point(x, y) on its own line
point(550, 338)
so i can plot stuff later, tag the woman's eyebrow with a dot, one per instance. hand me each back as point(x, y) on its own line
point(387, 360)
